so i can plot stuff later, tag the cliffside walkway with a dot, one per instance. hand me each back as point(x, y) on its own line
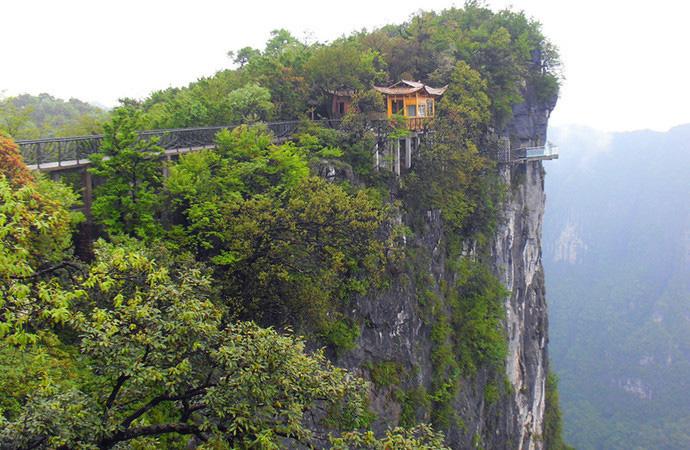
point(544, 152)
point(70, 153)
point(65, 153)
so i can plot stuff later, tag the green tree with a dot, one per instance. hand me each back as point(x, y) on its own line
point(281, 42)
point(183, 110)
point(249, 103)
point(126, 201)
point(465, 107)
point(280, 69)
point(344, 65)
point(297, 261)
point(243, 55)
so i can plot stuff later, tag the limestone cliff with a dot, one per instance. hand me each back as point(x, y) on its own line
point(396, 341)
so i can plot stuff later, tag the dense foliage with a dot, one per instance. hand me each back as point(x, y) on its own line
point(36, 227)
point(157, 357)
point(418, 438)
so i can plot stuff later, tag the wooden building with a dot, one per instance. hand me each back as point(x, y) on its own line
point(340, 102)
point(416, 103)
point(413, 100)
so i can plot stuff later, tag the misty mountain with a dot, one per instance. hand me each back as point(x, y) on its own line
point(617, 261)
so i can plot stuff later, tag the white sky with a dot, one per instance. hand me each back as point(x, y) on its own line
point(626, 62)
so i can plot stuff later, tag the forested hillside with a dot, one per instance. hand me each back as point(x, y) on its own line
point(212, 292)
point(29, 117)
point(617, 256)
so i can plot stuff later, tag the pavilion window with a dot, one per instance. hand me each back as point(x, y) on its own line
point(422, 110)
point(341, 107)
point(412, 110)
point(397, 106)
point(430, 107)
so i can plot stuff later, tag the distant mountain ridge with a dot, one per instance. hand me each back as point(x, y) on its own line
point(617, 261)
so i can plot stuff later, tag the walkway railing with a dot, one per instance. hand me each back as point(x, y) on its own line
point(505, 154)
point(548, 151)
point(70, 151)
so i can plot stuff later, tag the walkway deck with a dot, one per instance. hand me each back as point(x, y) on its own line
point(74, 163)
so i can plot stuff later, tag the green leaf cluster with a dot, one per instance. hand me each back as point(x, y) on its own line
point(36, 227)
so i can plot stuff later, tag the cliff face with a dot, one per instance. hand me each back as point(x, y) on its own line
point(518, 262)
point(517, 259)
point(396, 338)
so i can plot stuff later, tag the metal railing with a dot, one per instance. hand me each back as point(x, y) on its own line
point(59, 152)
point(548, 151)
point(505, 154)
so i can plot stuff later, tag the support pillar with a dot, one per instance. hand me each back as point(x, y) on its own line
point(166, 166)
point(87, 193)
point(408, 152)
point(397, 157)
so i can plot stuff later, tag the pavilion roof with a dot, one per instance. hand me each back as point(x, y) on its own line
point(406, 87)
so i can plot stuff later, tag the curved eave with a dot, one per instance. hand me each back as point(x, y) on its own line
point(433, 92)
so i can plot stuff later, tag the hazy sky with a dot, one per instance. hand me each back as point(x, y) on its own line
point(626, 62)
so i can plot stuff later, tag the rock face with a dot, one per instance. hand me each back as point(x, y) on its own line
point(517, 256)
point(396, 334)
point(518, 262)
